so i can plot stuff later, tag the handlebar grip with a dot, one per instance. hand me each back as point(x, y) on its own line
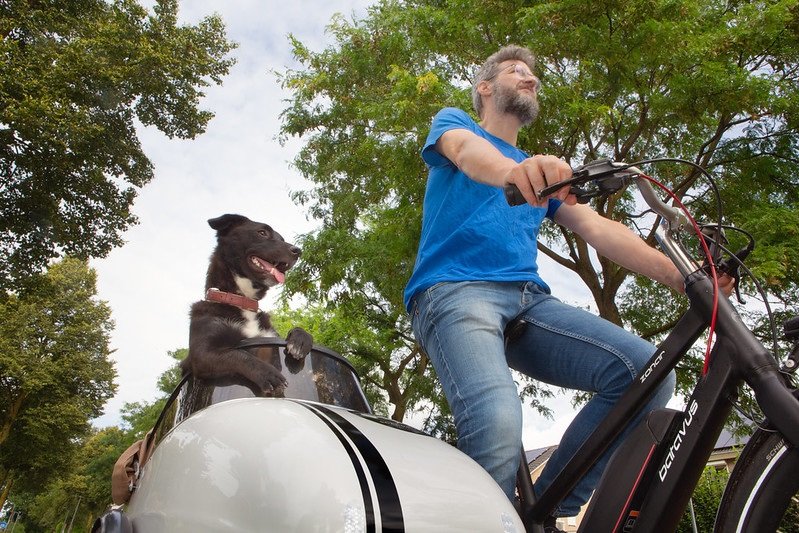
point(513, 195)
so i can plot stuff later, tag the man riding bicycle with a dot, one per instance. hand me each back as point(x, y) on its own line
point(476, 271)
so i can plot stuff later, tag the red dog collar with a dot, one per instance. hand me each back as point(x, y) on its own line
point(242, 302)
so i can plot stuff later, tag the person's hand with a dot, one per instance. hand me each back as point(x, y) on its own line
point(537, 172)
point(726, 284)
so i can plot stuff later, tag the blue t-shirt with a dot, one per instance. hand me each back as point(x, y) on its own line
point(469, 232)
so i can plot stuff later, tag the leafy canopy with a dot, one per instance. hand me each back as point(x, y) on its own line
point(713, 82)
point(55, 371)
point(76, 78)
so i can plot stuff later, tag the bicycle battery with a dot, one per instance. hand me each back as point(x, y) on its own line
point(612, 508)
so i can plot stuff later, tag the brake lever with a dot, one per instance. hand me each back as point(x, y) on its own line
point(730, 266)
point(608, 176)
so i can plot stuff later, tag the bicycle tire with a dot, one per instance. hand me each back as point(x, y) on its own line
point(762, 494)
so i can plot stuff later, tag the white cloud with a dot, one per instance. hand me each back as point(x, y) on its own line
point(538, 431)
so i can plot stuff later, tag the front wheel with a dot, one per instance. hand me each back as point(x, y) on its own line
point(762, 494)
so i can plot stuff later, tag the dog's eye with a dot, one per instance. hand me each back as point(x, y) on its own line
point(263, 233)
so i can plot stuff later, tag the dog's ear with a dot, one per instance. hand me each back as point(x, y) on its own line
point(225, 223)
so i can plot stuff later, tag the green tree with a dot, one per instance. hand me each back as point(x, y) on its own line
point(706, 499)
point(712, 82)
point(55, 373)
point(84, 490)
point(82, 483)
point(76, 77)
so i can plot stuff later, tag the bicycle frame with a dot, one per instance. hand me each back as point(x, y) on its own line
point(674, 453)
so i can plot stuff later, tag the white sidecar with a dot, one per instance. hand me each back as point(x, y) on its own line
point(315, 460)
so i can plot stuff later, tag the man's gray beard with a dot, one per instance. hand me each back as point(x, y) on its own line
point(511, 101)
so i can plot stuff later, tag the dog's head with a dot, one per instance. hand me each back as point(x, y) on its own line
point(253, 250)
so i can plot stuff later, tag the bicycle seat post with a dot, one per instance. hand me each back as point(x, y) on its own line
point(524, 484)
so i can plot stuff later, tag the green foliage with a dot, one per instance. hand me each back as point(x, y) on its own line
point(81, 482)
point(706, 499)
point(55, 374)
point(711, 82)
point(76, 76)
point(85, 489)
point(790, 520)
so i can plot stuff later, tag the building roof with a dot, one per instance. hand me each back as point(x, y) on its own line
point(539, 456)
point(728, 440)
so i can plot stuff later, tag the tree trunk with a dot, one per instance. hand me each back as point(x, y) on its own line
point(13, 411)
point(606, 305)
point(8, 481)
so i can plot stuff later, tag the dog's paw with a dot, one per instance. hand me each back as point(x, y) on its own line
point(272, 380)
point(298, 343)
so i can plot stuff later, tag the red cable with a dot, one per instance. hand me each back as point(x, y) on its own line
point(713, 273)
point(635, 486)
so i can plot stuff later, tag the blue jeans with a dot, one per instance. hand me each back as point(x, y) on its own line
point(461, 327)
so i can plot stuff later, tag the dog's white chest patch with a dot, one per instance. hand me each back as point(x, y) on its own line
point(245, 286)
point(252, 326)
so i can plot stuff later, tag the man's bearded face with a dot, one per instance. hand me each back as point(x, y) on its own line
point(517, 101)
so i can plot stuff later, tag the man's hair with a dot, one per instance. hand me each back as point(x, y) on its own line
point(491, 68)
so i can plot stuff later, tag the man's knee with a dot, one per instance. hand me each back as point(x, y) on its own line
point(495, 421)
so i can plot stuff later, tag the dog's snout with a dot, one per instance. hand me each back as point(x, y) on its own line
point(295, 251)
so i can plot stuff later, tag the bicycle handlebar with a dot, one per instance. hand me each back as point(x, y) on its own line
point(605, 177)
point(593, 171)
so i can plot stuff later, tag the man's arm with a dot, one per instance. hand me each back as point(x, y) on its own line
point(618, 243)
point(482, 162)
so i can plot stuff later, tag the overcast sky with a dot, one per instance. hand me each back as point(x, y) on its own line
point(237, 166)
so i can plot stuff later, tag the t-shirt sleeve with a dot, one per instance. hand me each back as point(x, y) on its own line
point(449, 118)
point(552, 206)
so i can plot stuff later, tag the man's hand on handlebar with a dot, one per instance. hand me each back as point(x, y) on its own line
point(540, 171)
point(726, 284)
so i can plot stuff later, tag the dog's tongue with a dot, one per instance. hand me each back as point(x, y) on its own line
point(279, 276)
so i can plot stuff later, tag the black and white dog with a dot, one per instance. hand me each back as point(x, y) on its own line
point(249, 258)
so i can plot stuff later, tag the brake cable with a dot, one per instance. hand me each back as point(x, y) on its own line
point(607, 178)
point(708, 255)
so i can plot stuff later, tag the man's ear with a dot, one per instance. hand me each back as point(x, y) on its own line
point(484, 88)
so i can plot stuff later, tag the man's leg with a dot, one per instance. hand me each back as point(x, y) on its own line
point(569, 347)
point(460, 326)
